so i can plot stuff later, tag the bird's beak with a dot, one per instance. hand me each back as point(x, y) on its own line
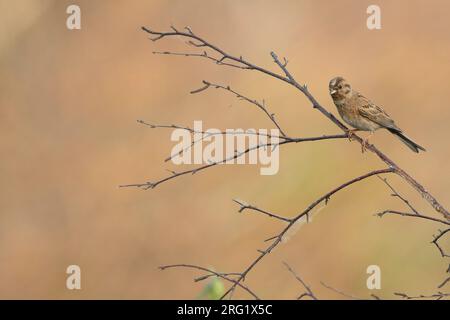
point(333, 91)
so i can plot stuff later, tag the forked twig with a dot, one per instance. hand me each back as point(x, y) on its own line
point(224, 276)
point(308, 292)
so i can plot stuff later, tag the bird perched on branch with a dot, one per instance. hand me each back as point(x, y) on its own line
point(362, 114)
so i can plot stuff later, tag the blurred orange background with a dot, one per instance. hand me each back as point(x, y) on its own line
point(69, 104)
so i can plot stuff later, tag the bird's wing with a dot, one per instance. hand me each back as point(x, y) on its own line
point(374, 113)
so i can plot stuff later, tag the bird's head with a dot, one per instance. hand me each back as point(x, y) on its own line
point(339, 88)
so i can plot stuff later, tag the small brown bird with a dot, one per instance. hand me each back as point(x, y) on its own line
point(362, 114)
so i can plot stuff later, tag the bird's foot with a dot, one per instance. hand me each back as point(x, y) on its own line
point(364, 145)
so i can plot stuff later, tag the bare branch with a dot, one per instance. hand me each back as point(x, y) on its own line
point(245, 206)
point(201, 55)
point(406, 214)
point(223, 54)
point(277, 239)
point(206, 86)
point(340, 292)
point(436, 243)
point(437, 296)
point(434, 203)
point(150, 185)
point(416, 214)
point(221, 57)
point(206, 134)
point(396, 194)
point(260, 105)
point(224, 276)
point(444, 283)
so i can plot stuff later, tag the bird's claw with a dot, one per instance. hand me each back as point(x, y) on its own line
point(351, 134)
point(364, 145)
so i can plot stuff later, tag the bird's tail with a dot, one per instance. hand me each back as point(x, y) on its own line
point(411, 144)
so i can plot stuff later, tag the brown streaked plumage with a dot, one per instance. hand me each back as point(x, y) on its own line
point(362, 114)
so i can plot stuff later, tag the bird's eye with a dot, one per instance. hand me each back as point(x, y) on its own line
point(340, 87)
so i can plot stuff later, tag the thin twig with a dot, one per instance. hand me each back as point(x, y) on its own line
point(340, 292)
point(416, 214)
point(212, 272)
point(277, 239)
point(246, 206)
point(396, 194)
point(287, 77)
point(260, 105)
point(406, 214)
point(207, 134)
point(201, 55)
point(308, 292)
point(437, 296)
point(150, 185)
point(436, 242)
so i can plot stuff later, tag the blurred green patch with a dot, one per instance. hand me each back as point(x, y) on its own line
point(213, 290)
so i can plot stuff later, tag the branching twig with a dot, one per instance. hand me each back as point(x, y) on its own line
point(151, 185)
point(341, 292)
point(277, 239)
point(416, 214)
point(308, 292)
point(437, 296)
point(260, 105)
point(245, 206)
point(406, 214)
point(224, 276)
point(396, 194)
point(239, 62)
point(436, 243)
point(202, 55)
point(205, 134)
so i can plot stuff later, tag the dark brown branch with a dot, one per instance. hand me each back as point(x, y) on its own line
point(288, 78)
point(201, 55)
point(204, 43)
point(245, 206)
point(436, 243)
point(175, 126)
point(446, 280)
point(277, 239)
point(342, 293)
point(211, 272)
point(396, 194)
point(206, 134)
point(444, 283)
point(207, 276)
point(150, 185)
point(260, 105)
point(308, 292)
point(416, 214)
point(425, 194)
